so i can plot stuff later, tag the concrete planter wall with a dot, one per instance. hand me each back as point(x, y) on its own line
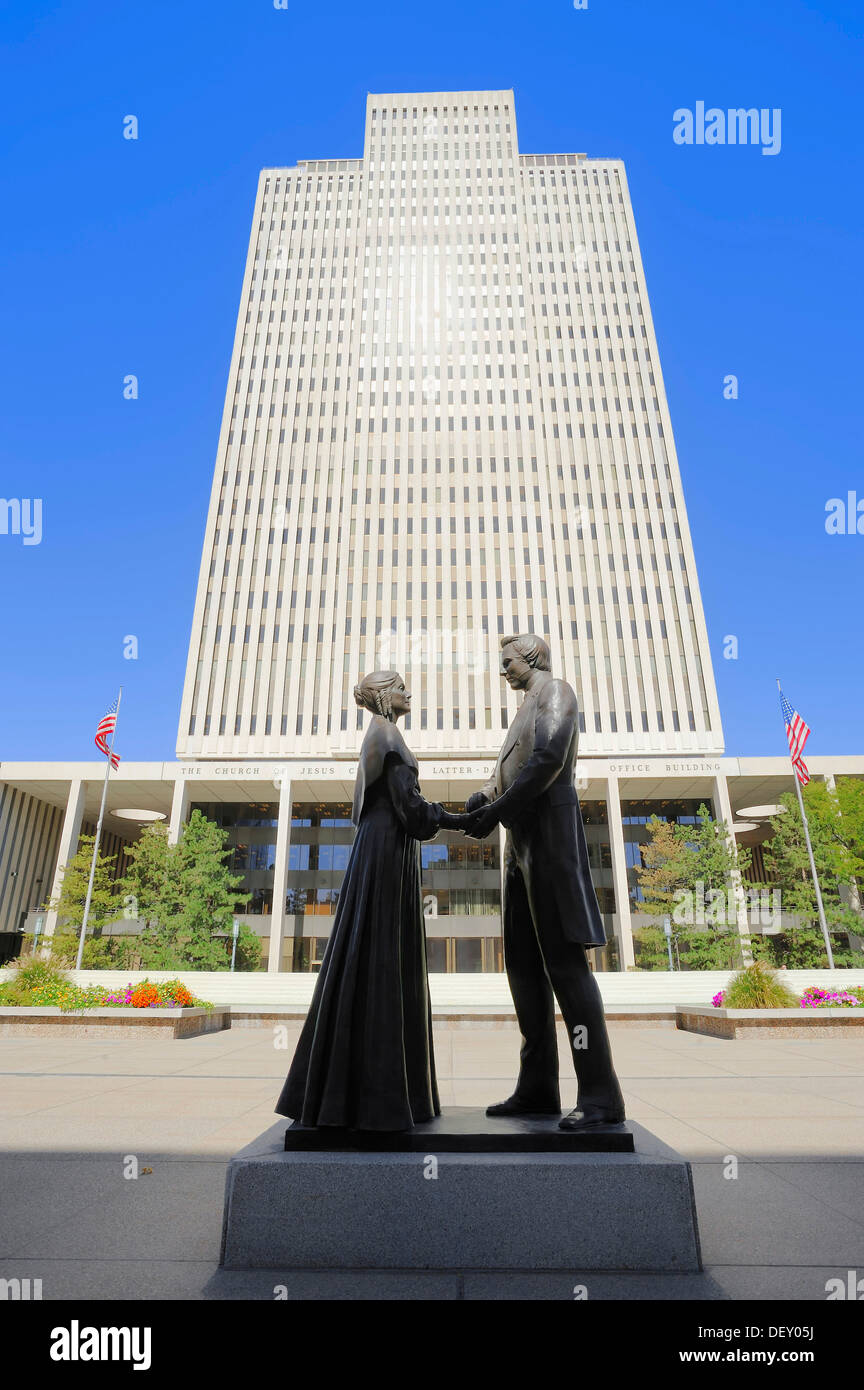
point(771, 1023)
point(28, 1022)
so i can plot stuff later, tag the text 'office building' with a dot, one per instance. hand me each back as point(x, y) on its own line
point(445, 422)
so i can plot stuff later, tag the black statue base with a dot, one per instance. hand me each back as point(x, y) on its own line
point(489, 1210)
point(463, 1129)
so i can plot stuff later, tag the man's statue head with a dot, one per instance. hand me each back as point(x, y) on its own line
point(521, 655)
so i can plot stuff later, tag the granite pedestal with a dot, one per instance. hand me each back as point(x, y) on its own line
point(450, 1206)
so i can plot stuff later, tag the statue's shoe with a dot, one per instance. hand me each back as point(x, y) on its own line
point(512, 1106)
point(591, 1117)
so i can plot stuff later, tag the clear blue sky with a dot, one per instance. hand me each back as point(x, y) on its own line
point(127, 257)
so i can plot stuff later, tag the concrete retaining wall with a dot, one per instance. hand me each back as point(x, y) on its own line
point(772, 1023)
point(28, 1022)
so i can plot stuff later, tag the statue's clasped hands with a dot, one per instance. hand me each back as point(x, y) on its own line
point(482, 820)
point(477, 820)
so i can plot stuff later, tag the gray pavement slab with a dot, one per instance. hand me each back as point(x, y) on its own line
point(792, 1112)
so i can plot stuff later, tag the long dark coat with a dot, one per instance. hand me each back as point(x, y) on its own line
point(364, 1059)
point(534, 792)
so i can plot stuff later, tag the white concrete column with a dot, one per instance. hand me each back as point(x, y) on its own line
point(179, 810)
point(280, 876)
point(619, 874)
point(68, 845)
point(723, 811)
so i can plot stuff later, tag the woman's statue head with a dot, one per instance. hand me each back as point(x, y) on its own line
point(384, 693)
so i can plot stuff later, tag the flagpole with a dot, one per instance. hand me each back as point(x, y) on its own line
point(97, 839)
point(822, 922)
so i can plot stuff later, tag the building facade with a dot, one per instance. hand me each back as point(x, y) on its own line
point(289, 832)
point(445, 422)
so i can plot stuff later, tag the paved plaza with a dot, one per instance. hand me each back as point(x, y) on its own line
point(74, 1113)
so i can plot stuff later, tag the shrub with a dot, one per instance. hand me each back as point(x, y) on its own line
point(29, 972)
point(803, 948)
point(757, 987)
point(40, 984)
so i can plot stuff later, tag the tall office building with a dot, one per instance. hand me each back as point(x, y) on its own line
point(445, 421)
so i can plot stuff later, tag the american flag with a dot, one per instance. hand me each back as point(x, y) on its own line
point(104, 732)
point(797, 734)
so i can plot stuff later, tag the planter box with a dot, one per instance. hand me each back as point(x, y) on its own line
point(770, 1023)
point(29, 1022)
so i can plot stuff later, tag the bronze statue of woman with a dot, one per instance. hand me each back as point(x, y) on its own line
point(364, 1059)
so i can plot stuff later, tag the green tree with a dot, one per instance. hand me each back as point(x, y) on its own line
point(847, 829)
point(718, 859)
point(663, 873)
point(665, 869)
point(208, 891)
point(719, 868)
point(850, 795)
point(689, 873)
point(105, 905)
point(147, 886)
point(836, 821)
point(186, 897)
point(651, 950)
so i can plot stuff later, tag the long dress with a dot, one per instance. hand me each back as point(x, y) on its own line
point(364, 1059)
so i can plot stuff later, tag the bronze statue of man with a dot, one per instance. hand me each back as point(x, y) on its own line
point(550, 910)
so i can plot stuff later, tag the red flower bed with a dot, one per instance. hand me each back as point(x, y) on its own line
point(144, 995)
